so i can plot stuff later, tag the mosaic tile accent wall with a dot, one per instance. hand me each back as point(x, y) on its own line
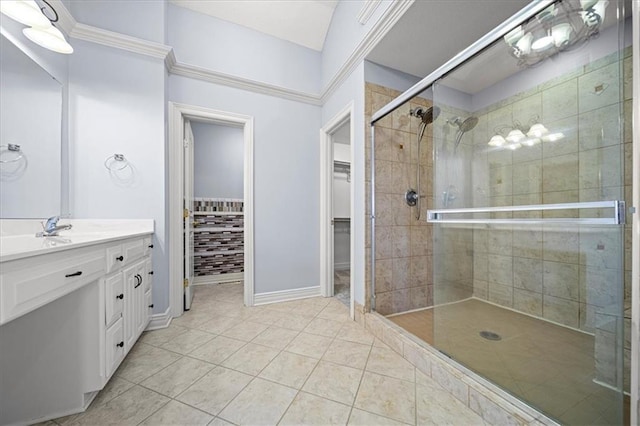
point(218, 246)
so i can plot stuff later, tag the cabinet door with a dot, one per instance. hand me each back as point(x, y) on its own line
point(114, 298)
point(115, 346)
point(133, 292)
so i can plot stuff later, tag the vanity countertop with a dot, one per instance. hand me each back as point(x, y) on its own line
point(18, 240)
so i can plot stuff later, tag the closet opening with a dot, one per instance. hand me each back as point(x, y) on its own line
point(210, 196)
point(214, 198)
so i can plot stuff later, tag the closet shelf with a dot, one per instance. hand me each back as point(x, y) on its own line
point(218, 213)
point(205, 229)
point(216, 253)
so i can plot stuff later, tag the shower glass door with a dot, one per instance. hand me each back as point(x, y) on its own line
point(528, 213)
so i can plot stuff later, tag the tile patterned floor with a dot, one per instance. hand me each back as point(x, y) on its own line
point(342, 286)
point(294, 363)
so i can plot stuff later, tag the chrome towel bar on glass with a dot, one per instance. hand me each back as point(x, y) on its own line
point(616, 218)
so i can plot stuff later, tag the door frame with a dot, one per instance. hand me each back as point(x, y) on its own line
point(326, 203)
point(175, 151)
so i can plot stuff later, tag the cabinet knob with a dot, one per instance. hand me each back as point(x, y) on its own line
point(120, 258)
point(150, 245)
point(75, 274)
point(150, 272)
point(138, 280)
point(151, 305)
point(120, 296)
point(120, 345)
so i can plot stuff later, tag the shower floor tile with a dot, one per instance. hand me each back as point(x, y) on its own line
point(549, 366)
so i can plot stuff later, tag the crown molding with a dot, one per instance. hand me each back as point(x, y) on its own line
point(367, 10)
point(375, 34)
point(140, 46)
point(120, 41)
point(205, 74)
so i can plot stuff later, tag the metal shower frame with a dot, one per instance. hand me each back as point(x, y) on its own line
point(488, 39)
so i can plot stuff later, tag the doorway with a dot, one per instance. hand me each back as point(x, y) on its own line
point(337, 208)
point(214, 200)
point(184, 208)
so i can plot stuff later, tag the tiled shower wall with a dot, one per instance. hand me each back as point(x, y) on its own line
point(566, 275)
point(403, 243)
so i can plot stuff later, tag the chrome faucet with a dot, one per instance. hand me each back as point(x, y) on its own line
point(51, 228)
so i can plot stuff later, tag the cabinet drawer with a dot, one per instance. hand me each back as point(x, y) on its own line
point(148, 245)
point(114, 346)
point(114, 296)
point(132, 250)
point(28, 284)
point(115, 258)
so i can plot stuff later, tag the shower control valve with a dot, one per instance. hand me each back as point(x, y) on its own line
point(411, 197)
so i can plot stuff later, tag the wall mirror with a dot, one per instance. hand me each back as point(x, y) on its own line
point(30, 137)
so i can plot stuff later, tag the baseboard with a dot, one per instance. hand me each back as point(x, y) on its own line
point(285, 295)
point(218, 279)
point(160, 320)
point(342, 266)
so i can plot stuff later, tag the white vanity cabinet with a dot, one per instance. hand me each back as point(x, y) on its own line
point(128, 304)
point(67, 320)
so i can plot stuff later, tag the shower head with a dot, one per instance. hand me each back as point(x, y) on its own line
point(426, 115)
point(464, 126)
point(468, 124)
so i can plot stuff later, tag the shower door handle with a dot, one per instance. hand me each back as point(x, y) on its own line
point(616, 218)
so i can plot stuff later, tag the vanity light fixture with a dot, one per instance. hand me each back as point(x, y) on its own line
point(41, 31)
point(517, 138)
point(561, 26)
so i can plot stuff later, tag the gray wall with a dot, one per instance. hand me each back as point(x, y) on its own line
point(218, 161)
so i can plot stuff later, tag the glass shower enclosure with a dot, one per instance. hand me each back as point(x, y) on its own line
point(514, 245)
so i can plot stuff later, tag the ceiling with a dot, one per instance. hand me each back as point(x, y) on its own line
point(302, 22)
point(432, 32)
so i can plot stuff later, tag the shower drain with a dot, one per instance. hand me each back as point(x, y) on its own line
point(490, 335)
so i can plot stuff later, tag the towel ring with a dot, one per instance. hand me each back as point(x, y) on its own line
point(115, 159)
point(12, 148)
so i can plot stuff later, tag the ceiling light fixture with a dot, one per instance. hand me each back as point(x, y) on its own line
point(41, 31)
point(559, 27)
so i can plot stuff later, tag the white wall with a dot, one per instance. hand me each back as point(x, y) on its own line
point(117, 105)
point(345, 34)
point(218, 161)
point(138, 18)
point(388, 77)
point(232, 49)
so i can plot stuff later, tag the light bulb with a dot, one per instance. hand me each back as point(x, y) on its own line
point(497, 140)
point(530, 141)
point(542, 43)
point(515, 136)
point(513, 146)
point(561, 34)
point(537, 131)
point(523, 46)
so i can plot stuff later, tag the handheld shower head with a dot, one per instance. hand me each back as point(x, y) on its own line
point(426, 115)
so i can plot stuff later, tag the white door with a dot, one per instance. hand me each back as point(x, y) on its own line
point(188, 215)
